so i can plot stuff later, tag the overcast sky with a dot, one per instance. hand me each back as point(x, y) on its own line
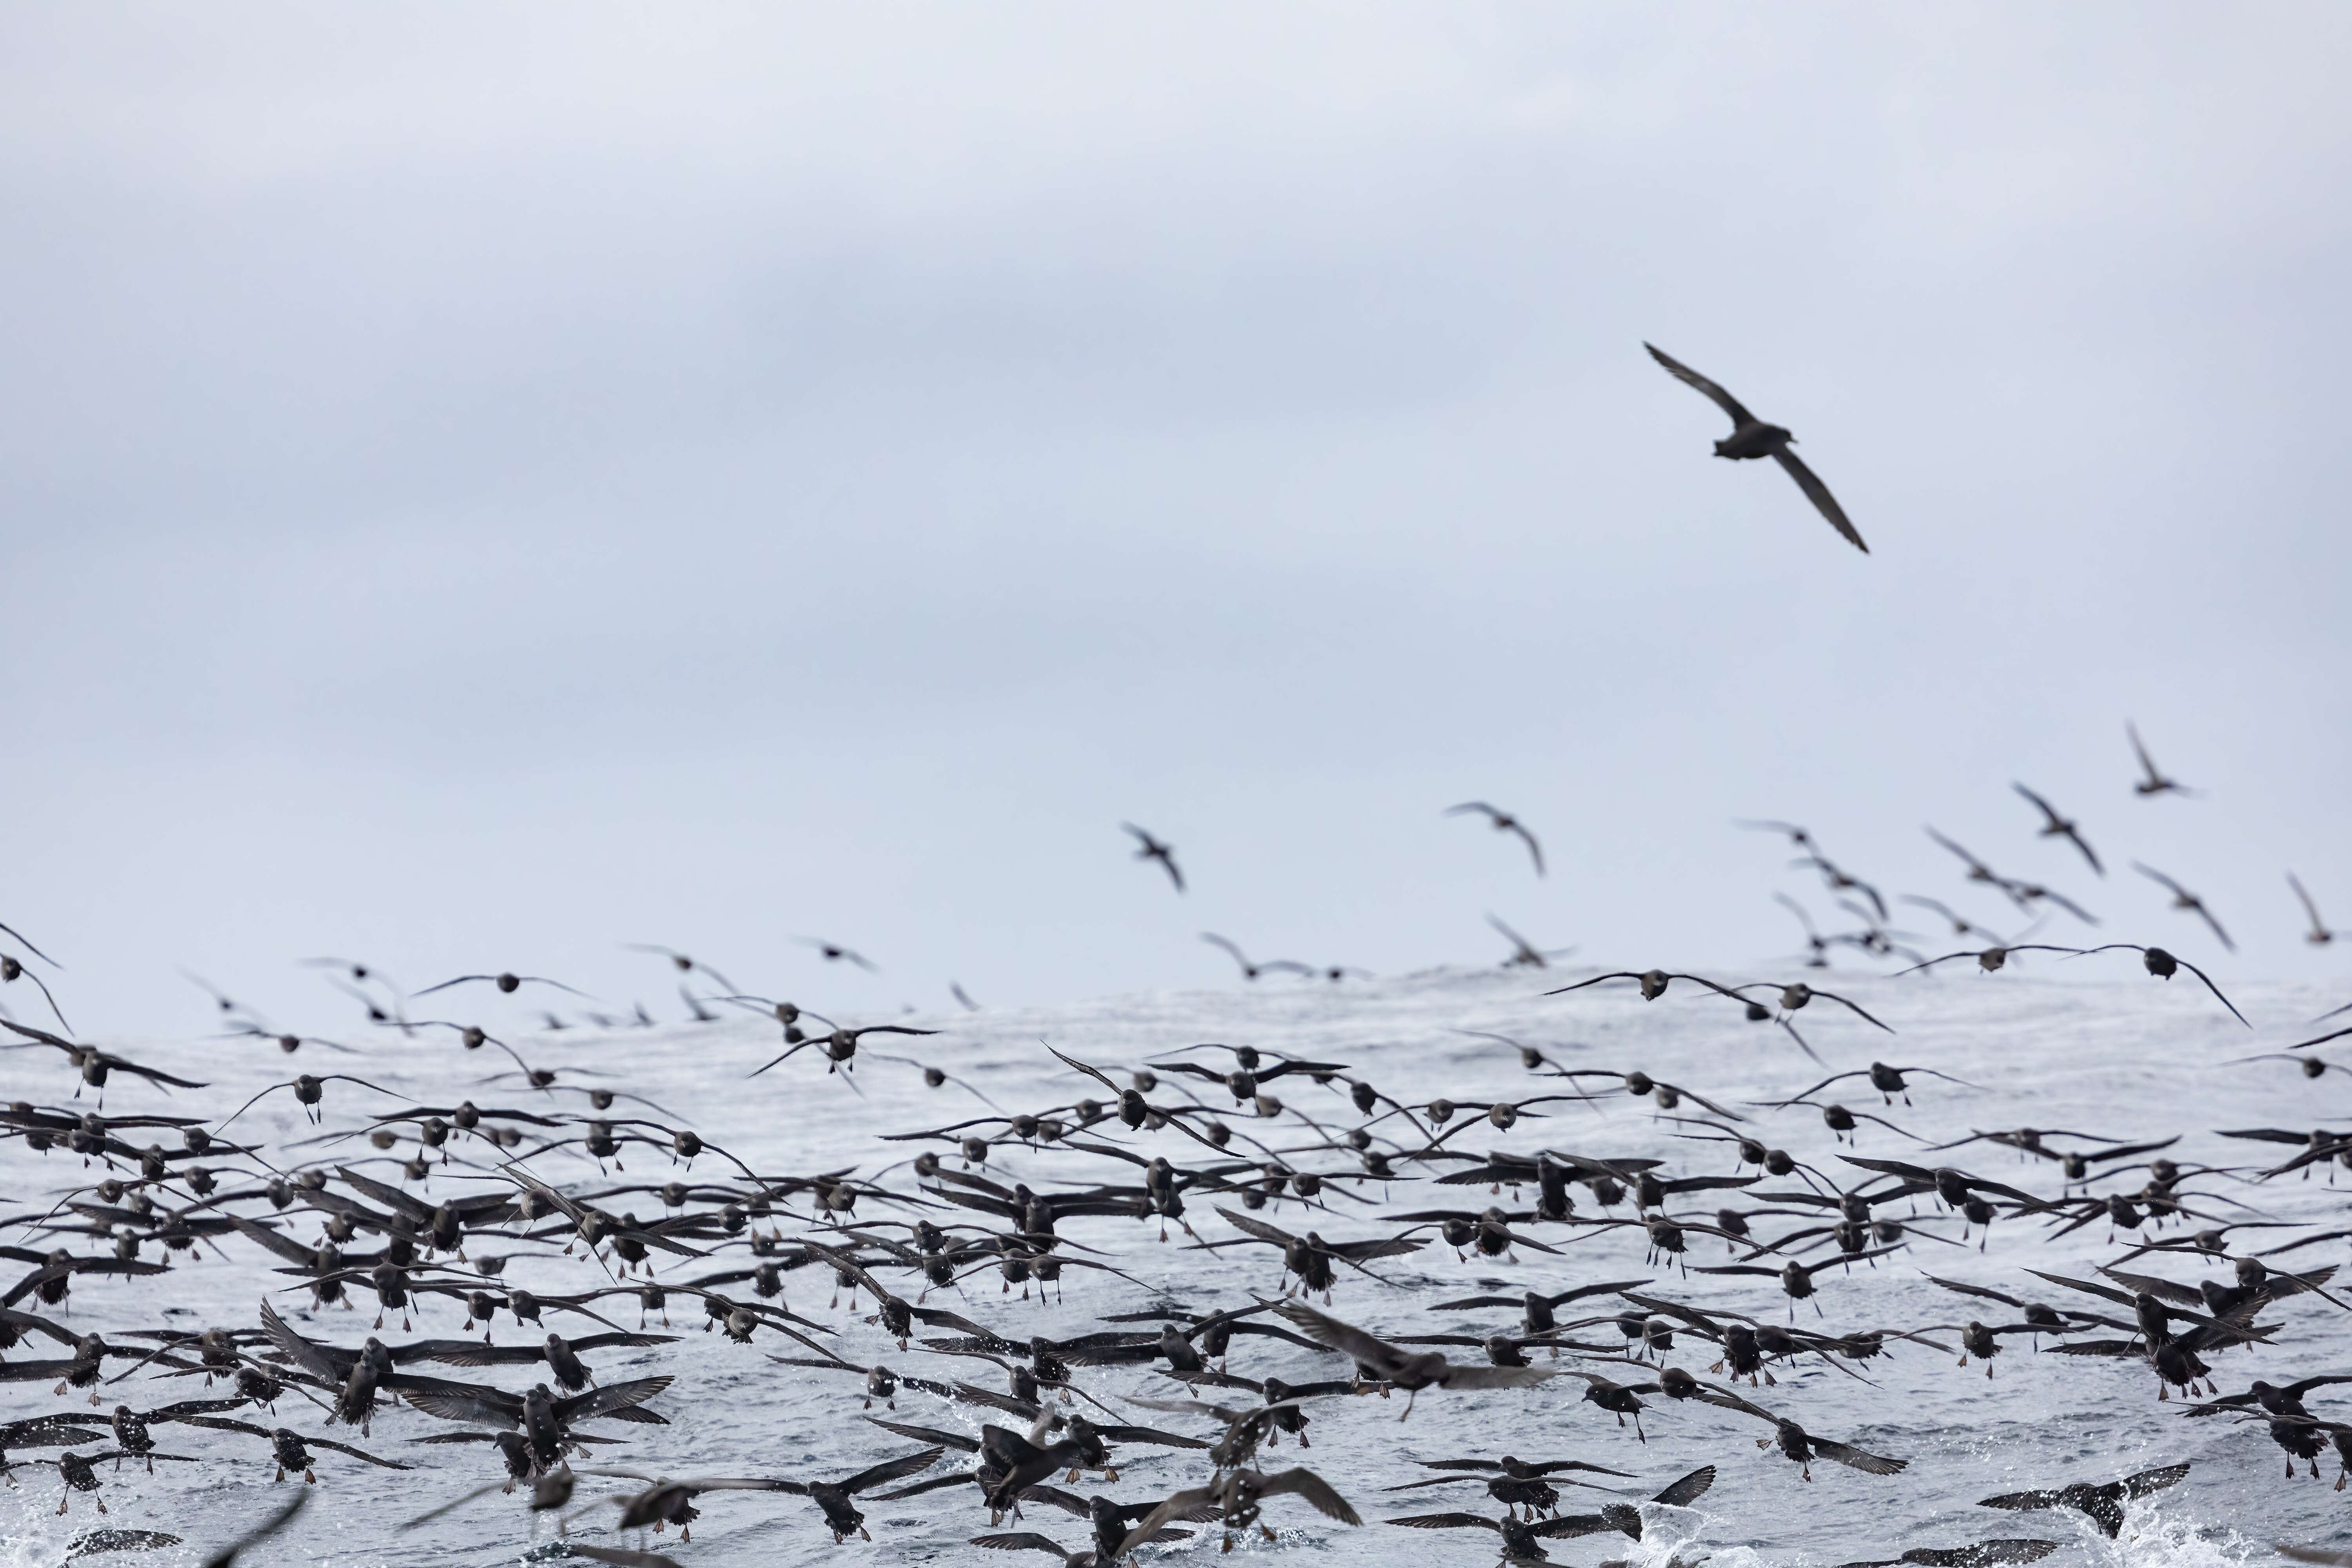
point(480, 485)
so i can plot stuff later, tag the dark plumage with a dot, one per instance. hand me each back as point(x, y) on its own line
point(1752, 437)
point(2103, 1503)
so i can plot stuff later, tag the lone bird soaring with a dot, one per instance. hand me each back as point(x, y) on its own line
point(1752, 437)
point(1153, 849)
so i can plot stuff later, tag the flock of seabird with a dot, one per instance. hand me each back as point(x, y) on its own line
point(125, 1189)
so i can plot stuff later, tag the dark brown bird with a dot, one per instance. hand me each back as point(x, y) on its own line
point(2318, 935)
point(2182, 899)
point(834, 953)
point(1526, 954)
point(1802, 1448)
point(1407, 1369)
point(2103, 1504)
point(1154, 850)
point(507, 981)
point(1250, 968)
point(1752, 437)
point(2055, 826)
point(2154, 780)
point(1503, 822)
point(1982, 1554)
point(1239, 1498)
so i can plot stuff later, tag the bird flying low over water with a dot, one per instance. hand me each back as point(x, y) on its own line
point(1752, 437)
point(1980, 1554)
point(2103, 1504)
point(1409, 1371)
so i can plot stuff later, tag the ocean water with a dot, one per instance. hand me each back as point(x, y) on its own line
point(2127, 1058)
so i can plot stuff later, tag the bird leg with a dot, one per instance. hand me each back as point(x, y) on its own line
point(1408, 1404)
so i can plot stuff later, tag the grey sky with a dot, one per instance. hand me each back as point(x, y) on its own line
point(485, 484)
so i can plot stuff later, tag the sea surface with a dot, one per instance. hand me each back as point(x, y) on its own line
point(2106, 1052)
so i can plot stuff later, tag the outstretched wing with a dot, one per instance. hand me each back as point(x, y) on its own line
point(1346, 1338)
point(461, 1401)
point(1315, 1490)
point(1570, 1526)
point(1846, 1454)
point(1557, 1466)
point(1021, 1540)
point(1445, 1521)
point(1692, 378)
point(1176, 1507)
point(323, 1361)
point(1818, 494)
point(1987, 1293)
point(2148, 1481)
point(1496, 1377)
point(929, 1434)
point(897, 1470)
point(1689, 1490)
point(601, 1341)
point(1983, 1553)
point(1258, 1227)
point(466, 1352)
point(354, 1453)
point(2208, 979)
point(610, 1400)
